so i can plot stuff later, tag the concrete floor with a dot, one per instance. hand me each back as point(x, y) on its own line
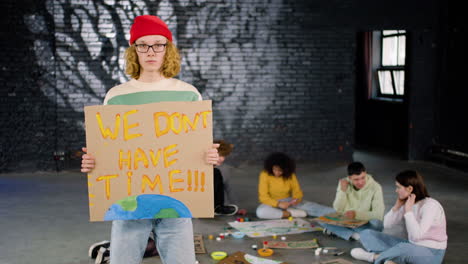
point(44, 216)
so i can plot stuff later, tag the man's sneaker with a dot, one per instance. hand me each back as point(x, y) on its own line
point(356, 236)
point(327, 232)
point(297, 212)
point(229, 209)
point(361, 254)
point(102, 256)
point(94, 248)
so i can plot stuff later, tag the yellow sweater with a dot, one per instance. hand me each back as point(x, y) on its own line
point(272, 188)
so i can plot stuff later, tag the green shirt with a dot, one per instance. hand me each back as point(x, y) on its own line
point(368, 202)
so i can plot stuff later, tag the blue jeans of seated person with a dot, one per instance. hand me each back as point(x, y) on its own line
point(313, 209)
point(399, 250)
point(173, 237)
point(346, 232)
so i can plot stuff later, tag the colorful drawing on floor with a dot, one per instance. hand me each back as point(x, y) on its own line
point(240, 257)
point(292, 244)
point(257, 260)
point(275, 227)
point(336, 261)
point(340, 220)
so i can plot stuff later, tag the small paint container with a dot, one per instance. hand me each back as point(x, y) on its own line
point(265, 252)
point(218, 255)
point(238, 234)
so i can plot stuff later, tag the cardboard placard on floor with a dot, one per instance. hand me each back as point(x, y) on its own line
point(242, 258)
point(336, 261)
point(150, 160)
point(292, 244)
point(199, 245)
point(339, 219)
point(274, 227)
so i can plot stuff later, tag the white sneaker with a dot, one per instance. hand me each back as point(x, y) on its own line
point(297, 212)
point(327, 232)
point(94, 248)
point(102, 256)
point(361, 254)
point(356, 236)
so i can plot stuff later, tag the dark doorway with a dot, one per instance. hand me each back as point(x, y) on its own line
point(381, 123)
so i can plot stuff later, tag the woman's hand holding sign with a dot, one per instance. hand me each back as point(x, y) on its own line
point(211, 155)
point(87, 161)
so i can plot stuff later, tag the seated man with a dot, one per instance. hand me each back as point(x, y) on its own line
point(222, 188)
point(358, 196)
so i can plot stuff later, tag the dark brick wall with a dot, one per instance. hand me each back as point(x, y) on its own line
point(280, 73)
point(27, 113)
point(275, 84)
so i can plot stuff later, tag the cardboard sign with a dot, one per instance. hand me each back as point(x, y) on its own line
point(240, 257)
point(339, 219)
point(336, 261)
point(292, 244)
point(150, 160)
point(274, 227)
point(199, 245)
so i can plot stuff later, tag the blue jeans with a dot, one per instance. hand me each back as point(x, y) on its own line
point(346, 232)
point(173, 236)
point(399, 250)
point(313, 209)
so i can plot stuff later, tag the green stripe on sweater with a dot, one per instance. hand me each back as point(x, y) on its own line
point(153, 97)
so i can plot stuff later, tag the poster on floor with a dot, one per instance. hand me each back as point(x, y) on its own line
point(240, 257)
point(275, 227)
point(339, 219)
point(150, 160)
point(313, 243)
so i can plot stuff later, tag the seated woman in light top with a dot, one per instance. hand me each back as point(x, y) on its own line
point(422, 217)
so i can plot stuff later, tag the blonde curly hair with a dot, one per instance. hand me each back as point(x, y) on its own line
point(169, 68)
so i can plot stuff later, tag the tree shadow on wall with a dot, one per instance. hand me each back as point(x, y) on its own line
point(80, 47)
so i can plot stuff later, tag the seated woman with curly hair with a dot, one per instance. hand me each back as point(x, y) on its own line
point(280, 193)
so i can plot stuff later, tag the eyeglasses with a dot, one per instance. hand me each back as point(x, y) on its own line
point(144, 48)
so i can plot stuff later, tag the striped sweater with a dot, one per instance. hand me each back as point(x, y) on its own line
point(135, 92)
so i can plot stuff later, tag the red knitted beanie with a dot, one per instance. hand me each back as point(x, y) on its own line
point(148, 25)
